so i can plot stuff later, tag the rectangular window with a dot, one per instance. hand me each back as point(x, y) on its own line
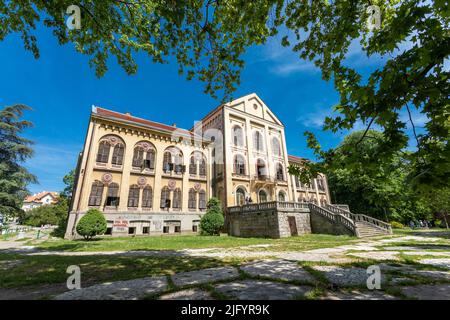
point(145, 230)
point(177, 229)
point(131, 230)
point(166, 229)
point(108, 231)
point(194, 228)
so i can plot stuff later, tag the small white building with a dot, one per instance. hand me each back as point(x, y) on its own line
point(39, 199)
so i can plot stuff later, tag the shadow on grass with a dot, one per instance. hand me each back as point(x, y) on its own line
point(51, 269)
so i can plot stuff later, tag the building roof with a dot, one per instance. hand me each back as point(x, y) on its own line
point(297, 159)
point(37, 197)
point(125, 117)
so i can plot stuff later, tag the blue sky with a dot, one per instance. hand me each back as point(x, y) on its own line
point(61, 88)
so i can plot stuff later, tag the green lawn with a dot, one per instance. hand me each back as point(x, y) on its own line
point(305, 242)
point(43, 270)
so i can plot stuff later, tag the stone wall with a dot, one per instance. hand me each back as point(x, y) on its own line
point(320, 224)
point(268, 224)
point(302, 221)
point(254, 224)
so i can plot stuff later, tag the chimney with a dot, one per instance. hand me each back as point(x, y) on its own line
point(174, 125)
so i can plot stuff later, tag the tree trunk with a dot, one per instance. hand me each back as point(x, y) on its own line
point(445, 219)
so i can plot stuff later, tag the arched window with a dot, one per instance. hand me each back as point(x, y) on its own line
point(202, 200)
point(238, 139)
point(167, 162)
point(95, 198)
point(239, 165)
point(177, 198)
point(147, 197)
point(117, 157)
point(150, 159)
point(262, 196)
point(203, 167)
point(173, 160)
point(261, 169)
point(192, 201)
point(276, 148)
point(133, 196)
point(103, 152)
point(258, 141)
point(193, 166)
point(240, 197)
point(138, 157)
point(313, 200)
point(280, 172)
point(113, 195)
point(165, 198)
point(281, 196)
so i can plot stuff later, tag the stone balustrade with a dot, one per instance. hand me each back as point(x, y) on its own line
point(264, 206)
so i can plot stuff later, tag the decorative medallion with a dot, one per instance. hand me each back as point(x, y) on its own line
point(142, 181)
point(172, 184)
point(145, 145)
point(107, 178)
point(197, 186)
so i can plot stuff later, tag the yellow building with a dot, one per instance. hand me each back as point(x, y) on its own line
point(149, 178)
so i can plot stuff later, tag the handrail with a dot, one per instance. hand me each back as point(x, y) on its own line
point(361, 218)
point(335, 217)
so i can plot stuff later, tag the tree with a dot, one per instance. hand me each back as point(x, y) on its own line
point(212, 222)
point(91, 224)
point(46, 214)
point(208, 38)
point(69, 180)
point(371, 184)
point(440, 204)
point(14, 150)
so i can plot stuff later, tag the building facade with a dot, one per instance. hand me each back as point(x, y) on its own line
point(149, 178)
point(39, 199)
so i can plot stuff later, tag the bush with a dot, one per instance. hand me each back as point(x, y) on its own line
point(212, 222)
point(92, 224)
point(397, 225)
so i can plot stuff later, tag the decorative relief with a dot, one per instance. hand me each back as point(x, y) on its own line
point(107, 178)
point(145, 145)
point(112, 140)
point(142, 181)
point(172, 184)
point(197, 186)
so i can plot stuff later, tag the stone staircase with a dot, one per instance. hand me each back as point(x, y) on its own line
point(360, 225)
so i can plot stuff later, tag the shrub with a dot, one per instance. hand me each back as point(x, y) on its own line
point(397, 225)
point(212, 222)
point(91, 224)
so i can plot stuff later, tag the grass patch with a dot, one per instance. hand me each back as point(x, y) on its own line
point(39, 270)
point(299, 243)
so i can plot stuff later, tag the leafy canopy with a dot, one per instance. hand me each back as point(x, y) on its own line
point(373, 185)
point(208, 39)
point(14, 150)
point(212, 222)
point(91, 224)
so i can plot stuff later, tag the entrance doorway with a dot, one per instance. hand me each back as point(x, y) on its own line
point(293, 226)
